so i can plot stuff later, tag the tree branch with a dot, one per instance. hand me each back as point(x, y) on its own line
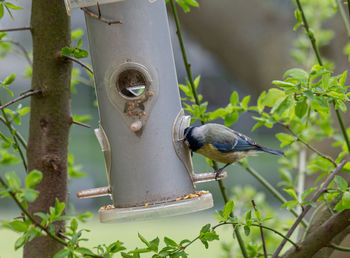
point(20, 46)
point(99, 16)
point(79, 62)
point(26, 95)
point(16, 29)
point(308, 207)
point(309, 146)
point(261, 231)
point(81, 124)
point(321, 236)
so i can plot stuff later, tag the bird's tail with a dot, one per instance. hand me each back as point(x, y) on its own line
point(275, 152)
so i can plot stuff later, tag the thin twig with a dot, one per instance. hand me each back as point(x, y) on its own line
point(31, 218)
point(20, 46)
point(81, 124)
point(99, 17)
point(184, 55)
point(235, 224)
point(79, 62)
point(343, 129)
point(26, 95)
point(308, 207)
point(339, 247)
point(16, 29)
point(261, 231)
point(8, 125)
point(196, 99)
point(309, 33)
point(343, 17)
point(17, 134)
point(309, 146)
point(264, 227)
point(271, 189)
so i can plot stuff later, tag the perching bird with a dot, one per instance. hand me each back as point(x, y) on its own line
point(222, 144)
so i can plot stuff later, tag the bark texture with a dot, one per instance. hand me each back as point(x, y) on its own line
point(50, 117)
point(321, 236)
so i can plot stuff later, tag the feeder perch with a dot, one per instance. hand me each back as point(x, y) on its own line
point(149, 169)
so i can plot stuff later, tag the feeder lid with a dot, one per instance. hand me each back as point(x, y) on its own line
point(173, 208)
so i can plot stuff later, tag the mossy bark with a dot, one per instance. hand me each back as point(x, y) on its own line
point(50, 117)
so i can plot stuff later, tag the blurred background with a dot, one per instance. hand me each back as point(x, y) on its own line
point(234, 45)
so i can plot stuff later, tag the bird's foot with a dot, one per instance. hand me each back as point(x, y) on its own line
point(218, 173)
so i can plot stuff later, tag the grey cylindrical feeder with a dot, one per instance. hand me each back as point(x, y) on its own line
point(149, 169)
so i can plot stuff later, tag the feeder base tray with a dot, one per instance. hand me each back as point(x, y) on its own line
point(205, 201)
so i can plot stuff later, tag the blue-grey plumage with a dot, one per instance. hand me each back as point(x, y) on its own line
point(222, 144)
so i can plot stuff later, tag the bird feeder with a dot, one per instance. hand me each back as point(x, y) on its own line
point(149, 169)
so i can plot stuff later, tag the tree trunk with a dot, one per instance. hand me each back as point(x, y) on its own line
point(50, 117)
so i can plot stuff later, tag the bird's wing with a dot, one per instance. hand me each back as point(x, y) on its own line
point(238, 144)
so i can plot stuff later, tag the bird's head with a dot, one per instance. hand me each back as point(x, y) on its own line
point(190, 139)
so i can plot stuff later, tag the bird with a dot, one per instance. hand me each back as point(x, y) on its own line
point(222, 144)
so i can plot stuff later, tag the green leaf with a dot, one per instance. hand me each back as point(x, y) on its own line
point(78, 33)
point(272, 96)
point(12, 180)
point(341, 182)
point(246, 230)
point(342, 79)
point(9, 79)
point(30, 194)
point(1, 10)
point(245, 102)
point(231, 118)
point(248, 217)
point(170, 242)
point(66, 51)
point(80, 53)
point(283, 106)
point(74, 225)
point(234, 99)
point(301, 108)
point(33, 178)
point(205, 228)
point(20, 242)
point(292, 193)
point(154, 244)
point(116, 247)
point(346, 200)
point(82, 119)
point(228, 209)
point(307, 192)
point(285, 139)
point(64, 253)
point(80, 43)
point(59, 207)
point(143, 240)
point(260, 102)
point(296, 73)
point(84, 251)
point(12, 6)
point(19, 226)
point(289, 205)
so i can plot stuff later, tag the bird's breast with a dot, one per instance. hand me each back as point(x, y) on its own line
point(212, 153)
